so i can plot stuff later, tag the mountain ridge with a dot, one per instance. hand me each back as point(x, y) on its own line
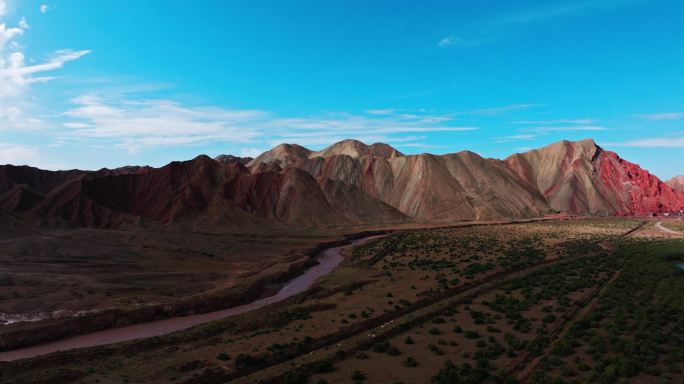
point(347, 183)
point(677, 183)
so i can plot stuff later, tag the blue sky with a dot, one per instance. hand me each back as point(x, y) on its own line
point(90, 84)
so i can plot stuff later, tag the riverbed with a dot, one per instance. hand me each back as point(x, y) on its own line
point(328, 260)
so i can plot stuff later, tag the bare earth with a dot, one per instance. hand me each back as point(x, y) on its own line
point(396, 310)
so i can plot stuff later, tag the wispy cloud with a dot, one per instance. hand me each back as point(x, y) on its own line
point(557, 121)
point(136, 124)
point(17, 154)
point(20, 154)
point(542, 127)
point(251, 151)
point(503, 109)
point(493, 29)
point(523, 149)
point(419, 145)
point(662, 116)
point(447, 41)
point(16, 75)
point(44, 8)
point(569, 128)
point(661, 142)
point(417, 115)
point(516, 137)
point(384, 111)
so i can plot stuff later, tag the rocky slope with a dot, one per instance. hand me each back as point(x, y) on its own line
point(583, 178)
point(202, 188)
point(677, 183)
point(345, 184)
point(460, 186)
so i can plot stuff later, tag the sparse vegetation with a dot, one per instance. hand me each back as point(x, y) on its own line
point(473, 305)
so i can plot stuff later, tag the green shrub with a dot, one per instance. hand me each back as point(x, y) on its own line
point(223, 356)
point(410, 362)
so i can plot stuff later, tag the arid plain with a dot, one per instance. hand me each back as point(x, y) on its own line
point(479, 302)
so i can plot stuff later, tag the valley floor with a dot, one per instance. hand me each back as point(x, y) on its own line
point(554, 301)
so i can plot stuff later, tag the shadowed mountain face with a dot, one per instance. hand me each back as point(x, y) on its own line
point(219, 191)
point(347, 183)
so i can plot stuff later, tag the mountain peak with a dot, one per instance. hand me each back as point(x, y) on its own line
point(356, 149)
point(283, 154)
point(566, 148)
point(677, 183)
point(229, 159)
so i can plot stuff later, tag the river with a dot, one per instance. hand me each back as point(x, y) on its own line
point(328, 260)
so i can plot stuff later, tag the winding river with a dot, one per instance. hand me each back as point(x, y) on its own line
point(328, 260)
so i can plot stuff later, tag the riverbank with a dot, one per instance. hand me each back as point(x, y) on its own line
point(112, 324)
point(326, 262)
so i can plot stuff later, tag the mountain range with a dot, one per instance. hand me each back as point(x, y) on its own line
point(347, 183)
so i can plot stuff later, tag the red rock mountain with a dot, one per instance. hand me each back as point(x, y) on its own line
point(347, 183)
point(226, 193)
point(582, 178)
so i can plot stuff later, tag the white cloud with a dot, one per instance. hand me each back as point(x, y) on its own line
point(44, 8)
point(419, 145)
point(557, 121)
point(662, 116)
point(385, 111)
point(523, 149)
point(17, 154)
point(417, 115)
point(569, 128)
point(7, 34)
point(517, 137)
point(471, 41)
point(504, 109)
point(17, 108)
point(137, 124)
point(16, 74)
point(353, 124)
point(662, 142)
point(492, 29)
point(446, 41)
point(251, 152)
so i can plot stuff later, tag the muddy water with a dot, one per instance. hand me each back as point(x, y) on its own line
point(328, 260)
